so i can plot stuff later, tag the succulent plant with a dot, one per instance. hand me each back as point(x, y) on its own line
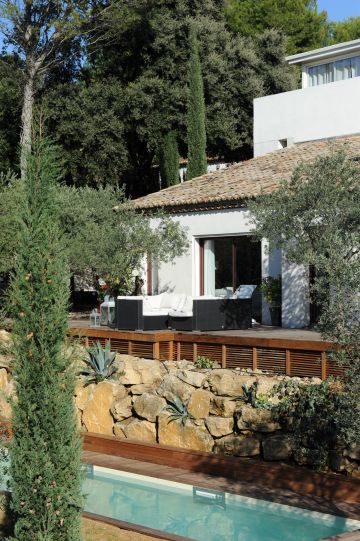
point(100, 362)
point(179, 411)
point(203, 362)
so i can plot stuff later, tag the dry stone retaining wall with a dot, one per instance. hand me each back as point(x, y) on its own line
point(135, 405)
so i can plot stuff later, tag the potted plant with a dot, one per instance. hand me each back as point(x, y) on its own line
point(270, 288)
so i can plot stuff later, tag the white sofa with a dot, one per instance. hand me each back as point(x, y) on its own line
point(183, 312)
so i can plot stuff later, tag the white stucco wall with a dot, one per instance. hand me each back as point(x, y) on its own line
point(307, 114)
point(183, 276)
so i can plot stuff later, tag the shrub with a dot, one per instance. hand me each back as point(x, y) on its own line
point(101, 363)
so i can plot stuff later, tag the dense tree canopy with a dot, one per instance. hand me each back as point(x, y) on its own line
point(300, 20)
point(134, 91)
point(110, 98)
point(346, 30)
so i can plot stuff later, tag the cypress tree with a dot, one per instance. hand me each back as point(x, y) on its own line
point(46, 449)
point(196, 131)
point(169, 160)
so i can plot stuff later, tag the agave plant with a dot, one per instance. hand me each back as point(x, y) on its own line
point(179, 411)
point(100, 362)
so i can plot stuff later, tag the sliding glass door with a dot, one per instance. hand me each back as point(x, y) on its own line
point(228, 262)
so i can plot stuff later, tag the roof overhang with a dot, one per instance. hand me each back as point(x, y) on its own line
point(325, 52)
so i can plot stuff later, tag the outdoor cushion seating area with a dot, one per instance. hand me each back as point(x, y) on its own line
point(184, 313)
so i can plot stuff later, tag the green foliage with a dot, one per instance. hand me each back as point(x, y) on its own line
point(315, 218)
point(169, 160)
point(45, 451)
point(88, 122)
point(250, 396)
point(179, 412)
point(196, 131)
point(98, 239)
point(101, 363)
point(304, 27)
point(346, 30)
point(112, 243)
point(270, 287)
point(203, 362)
point(11, 79)
point(321, 417)
point(145, 61)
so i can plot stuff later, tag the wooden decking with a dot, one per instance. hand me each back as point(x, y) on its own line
point(288, 485)
point(283, 351)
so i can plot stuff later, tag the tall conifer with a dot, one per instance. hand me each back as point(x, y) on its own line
point(46, 448)
point(169, 160)
point(196, 130)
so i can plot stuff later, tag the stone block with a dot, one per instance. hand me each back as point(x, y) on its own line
point(96, 416)
point(148, 406)
point(122, 409)
point(140, 431)
point(256, 419)
point(226, 383)
point(186, 437)
point(137, 371)
point(237, 445)
point(278, 447)
point(219, 426)
point(223, 407)
point(172, 387)
point(192, 377)
point(199, 404)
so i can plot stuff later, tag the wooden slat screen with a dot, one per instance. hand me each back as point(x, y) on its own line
point(185, 351)
point(305, 363)
point(271, 360)
point(333, 369)
point(93, 341)
point(238, 357)
point(120, 346)
point(213, 352)
point(142, 349)
point(164, 351)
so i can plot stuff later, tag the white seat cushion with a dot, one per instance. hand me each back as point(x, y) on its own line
point(177, 300)
point(245, 291)
point(152, 302)
point(177, 313)
point(163, 312)
point(166, 299)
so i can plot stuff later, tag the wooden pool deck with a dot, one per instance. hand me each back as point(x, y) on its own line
point(294, 486)
point(294, 352)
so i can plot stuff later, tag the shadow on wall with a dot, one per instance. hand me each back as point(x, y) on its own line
point(295, 296)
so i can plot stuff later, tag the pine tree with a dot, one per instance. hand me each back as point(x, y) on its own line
point(197, 164)
point(169, 160)
point(46, 448)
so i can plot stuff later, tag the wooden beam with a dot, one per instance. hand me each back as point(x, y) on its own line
point(287, 362)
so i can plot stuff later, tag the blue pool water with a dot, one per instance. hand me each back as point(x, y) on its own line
point(173, 507)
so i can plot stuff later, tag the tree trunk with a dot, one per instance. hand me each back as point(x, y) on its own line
point(26, 121)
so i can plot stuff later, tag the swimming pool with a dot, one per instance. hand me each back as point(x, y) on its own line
point(201, 514)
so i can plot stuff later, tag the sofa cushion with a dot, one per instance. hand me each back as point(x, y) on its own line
point(165, 301)
point(245, 291)
point(177, 301)
point(186, 305)
point(159, 312)
point(152, 302)
point(176, 313)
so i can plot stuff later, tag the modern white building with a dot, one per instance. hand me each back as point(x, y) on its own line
point(325, 107)
point(289, 128)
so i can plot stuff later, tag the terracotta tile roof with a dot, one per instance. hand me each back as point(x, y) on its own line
point(232, 186)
